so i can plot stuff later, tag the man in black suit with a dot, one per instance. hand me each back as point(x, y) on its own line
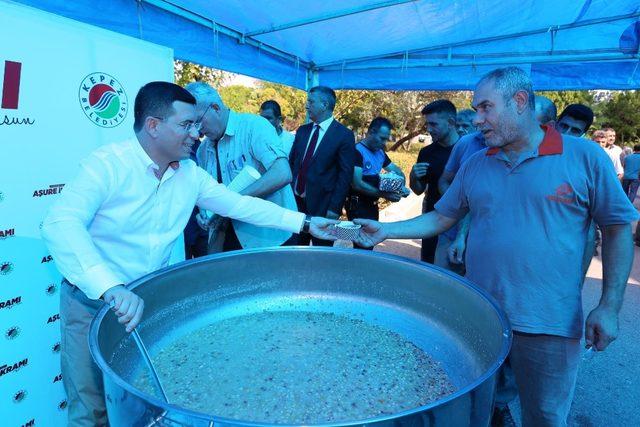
point(322, 160)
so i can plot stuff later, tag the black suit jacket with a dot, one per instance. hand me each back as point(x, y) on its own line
point(331, 170)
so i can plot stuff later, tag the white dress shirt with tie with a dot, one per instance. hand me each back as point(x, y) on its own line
point(117, 221)
point(323, 126)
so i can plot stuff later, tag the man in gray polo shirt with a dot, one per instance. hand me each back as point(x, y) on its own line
point(532, 181)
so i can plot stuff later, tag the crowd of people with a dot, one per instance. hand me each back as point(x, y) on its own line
point(508, 168)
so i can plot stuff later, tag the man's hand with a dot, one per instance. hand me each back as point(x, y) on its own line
point(202, 220)
point(601, 328)
point(332, 215)
point(323, 228)
point(371, 233)
point(392, 196)
point(419, 170)
point(218, 223)
point(126, 305)
point(456, 251)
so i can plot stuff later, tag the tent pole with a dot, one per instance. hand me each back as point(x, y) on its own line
point(326, 17)
point(589, 22)
point(168, 6)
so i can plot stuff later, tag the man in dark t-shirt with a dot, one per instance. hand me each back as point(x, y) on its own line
point(370, 160)
point(440, 120)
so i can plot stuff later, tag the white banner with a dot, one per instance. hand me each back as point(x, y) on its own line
point(66, 88)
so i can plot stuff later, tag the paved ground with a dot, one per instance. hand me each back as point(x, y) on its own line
point(608, 386)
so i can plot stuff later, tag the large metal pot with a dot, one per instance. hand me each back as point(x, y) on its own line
point(461, 325)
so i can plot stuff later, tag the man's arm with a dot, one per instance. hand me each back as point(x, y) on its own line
point(346, 160)
point(617, 164)
point(64, 231)
point(392, 167)
point(617, 257)
point(445, 180)
point(421, 227)
point(276, 177)
point(362, 187)
point(459, 244)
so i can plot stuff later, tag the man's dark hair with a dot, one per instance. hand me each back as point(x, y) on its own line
point(379, 122)
point(636, 147)
point(327, 94)
point(578, 112)
point(443, 106)
point(155, 99)
point(273, 106)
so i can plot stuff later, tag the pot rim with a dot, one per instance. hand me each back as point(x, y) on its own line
point(171, 408)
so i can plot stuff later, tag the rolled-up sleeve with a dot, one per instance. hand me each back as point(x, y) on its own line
point(224, 202)
point(608, 203)
point(65, 232)
point(266, 146)
point(454, 202)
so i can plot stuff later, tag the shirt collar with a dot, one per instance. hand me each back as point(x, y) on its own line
point(232, 123)
point(324, 125)
point(147, 161)
point(551, 143)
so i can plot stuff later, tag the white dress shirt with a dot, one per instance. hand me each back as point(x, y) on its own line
point(614, 154)
point(323, 129)
point(117, 221)
point(249, 140)
point(286, 139)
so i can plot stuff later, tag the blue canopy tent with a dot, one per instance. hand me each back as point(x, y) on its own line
point(392, 44)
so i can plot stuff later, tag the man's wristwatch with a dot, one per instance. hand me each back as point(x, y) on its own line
point(306, 225)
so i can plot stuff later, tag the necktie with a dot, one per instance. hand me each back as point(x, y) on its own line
point(302, 174)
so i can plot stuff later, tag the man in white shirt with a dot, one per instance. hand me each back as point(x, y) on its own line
point(234, 141)
point(120, 218)
point(605, 141)
point(271, 111)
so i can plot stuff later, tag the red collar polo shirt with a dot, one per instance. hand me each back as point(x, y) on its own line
point(529, 223)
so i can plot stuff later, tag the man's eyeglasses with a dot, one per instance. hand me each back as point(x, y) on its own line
point(199, 121)
point(186, 126)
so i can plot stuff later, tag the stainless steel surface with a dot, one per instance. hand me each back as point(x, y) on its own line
point(149, 363)
point(450, 318)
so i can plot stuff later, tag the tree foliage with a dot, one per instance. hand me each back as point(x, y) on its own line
point(187, 72)
point(622, 112)
point(567, 97)
point(356, 108)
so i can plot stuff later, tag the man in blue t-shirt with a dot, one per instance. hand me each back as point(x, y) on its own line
point(631, 177)
point(528, 236)
point(370, 161)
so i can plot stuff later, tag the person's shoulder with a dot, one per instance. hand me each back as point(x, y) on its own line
point(580, 145)
point(342, 127)
point(114, 151)
point(584, 150)
point(465, 139)
point(250, 119)
point(428, 149)
point(478, 156)
point(188, 165)
point(286, 135)
point(303, 127)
